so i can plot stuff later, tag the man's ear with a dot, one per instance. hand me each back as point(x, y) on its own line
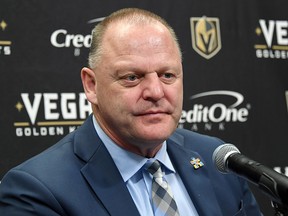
point(89, 84)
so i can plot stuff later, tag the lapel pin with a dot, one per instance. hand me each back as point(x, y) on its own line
point(196, 163)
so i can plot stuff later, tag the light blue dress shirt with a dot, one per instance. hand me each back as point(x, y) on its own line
point(139, 181)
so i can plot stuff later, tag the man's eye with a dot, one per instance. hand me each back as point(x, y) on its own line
point(131, 77)
point(168, 75)
point(168, 78)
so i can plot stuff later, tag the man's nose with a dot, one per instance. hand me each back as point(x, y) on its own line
point(153, 87)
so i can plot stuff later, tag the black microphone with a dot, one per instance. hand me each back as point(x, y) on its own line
point(228, 158)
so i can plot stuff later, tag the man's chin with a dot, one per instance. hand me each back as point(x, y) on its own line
point(156, 134)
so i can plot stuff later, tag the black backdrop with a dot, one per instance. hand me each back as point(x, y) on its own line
point(235, 73)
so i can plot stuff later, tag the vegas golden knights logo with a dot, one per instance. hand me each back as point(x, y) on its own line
point(205, 33)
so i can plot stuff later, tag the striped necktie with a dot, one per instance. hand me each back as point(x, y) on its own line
point(162, 197)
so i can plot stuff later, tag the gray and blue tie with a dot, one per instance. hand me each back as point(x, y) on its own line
point(162, 197)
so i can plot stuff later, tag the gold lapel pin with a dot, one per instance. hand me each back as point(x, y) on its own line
point(196, 163)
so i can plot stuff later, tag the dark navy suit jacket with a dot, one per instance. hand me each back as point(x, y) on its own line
point(77, 176)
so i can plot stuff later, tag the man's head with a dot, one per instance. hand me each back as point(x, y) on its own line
point(130, 16)
point(135, 80)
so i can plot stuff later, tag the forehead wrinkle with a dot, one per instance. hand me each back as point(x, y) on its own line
point(117, 46)
point(131, 37)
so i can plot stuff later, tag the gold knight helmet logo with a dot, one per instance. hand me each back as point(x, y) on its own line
point(205, 34)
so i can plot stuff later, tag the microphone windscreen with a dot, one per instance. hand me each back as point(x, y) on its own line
point(221, 154)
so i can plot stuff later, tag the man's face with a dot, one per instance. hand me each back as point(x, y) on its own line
point(139, 85)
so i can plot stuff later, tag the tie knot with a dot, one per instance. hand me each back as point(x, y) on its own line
point(155, 169)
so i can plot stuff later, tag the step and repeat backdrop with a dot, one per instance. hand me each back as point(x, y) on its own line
point(235, 73)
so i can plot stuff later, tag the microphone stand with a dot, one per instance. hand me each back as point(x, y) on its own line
point(280, 209)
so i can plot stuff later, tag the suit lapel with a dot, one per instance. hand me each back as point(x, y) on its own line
point(197, 182)
point(102, 174)
point(105, 180)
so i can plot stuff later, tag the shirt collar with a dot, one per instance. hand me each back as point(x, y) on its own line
point(127, 162)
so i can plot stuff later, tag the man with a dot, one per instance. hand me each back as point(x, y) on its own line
point(134, 83)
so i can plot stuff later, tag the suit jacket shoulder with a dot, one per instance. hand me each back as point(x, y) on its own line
point(74, 177)
point(226, 194)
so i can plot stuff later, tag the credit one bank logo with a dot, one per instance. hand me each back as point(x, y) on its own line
point(212, 110)
point(64, 39)
point(50, 114)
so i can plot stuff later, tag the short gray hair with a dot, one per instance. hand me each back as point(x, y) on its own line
point(129, 15)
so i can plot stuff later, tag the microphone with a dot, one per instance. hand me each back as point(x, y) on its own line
point(227, 158)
